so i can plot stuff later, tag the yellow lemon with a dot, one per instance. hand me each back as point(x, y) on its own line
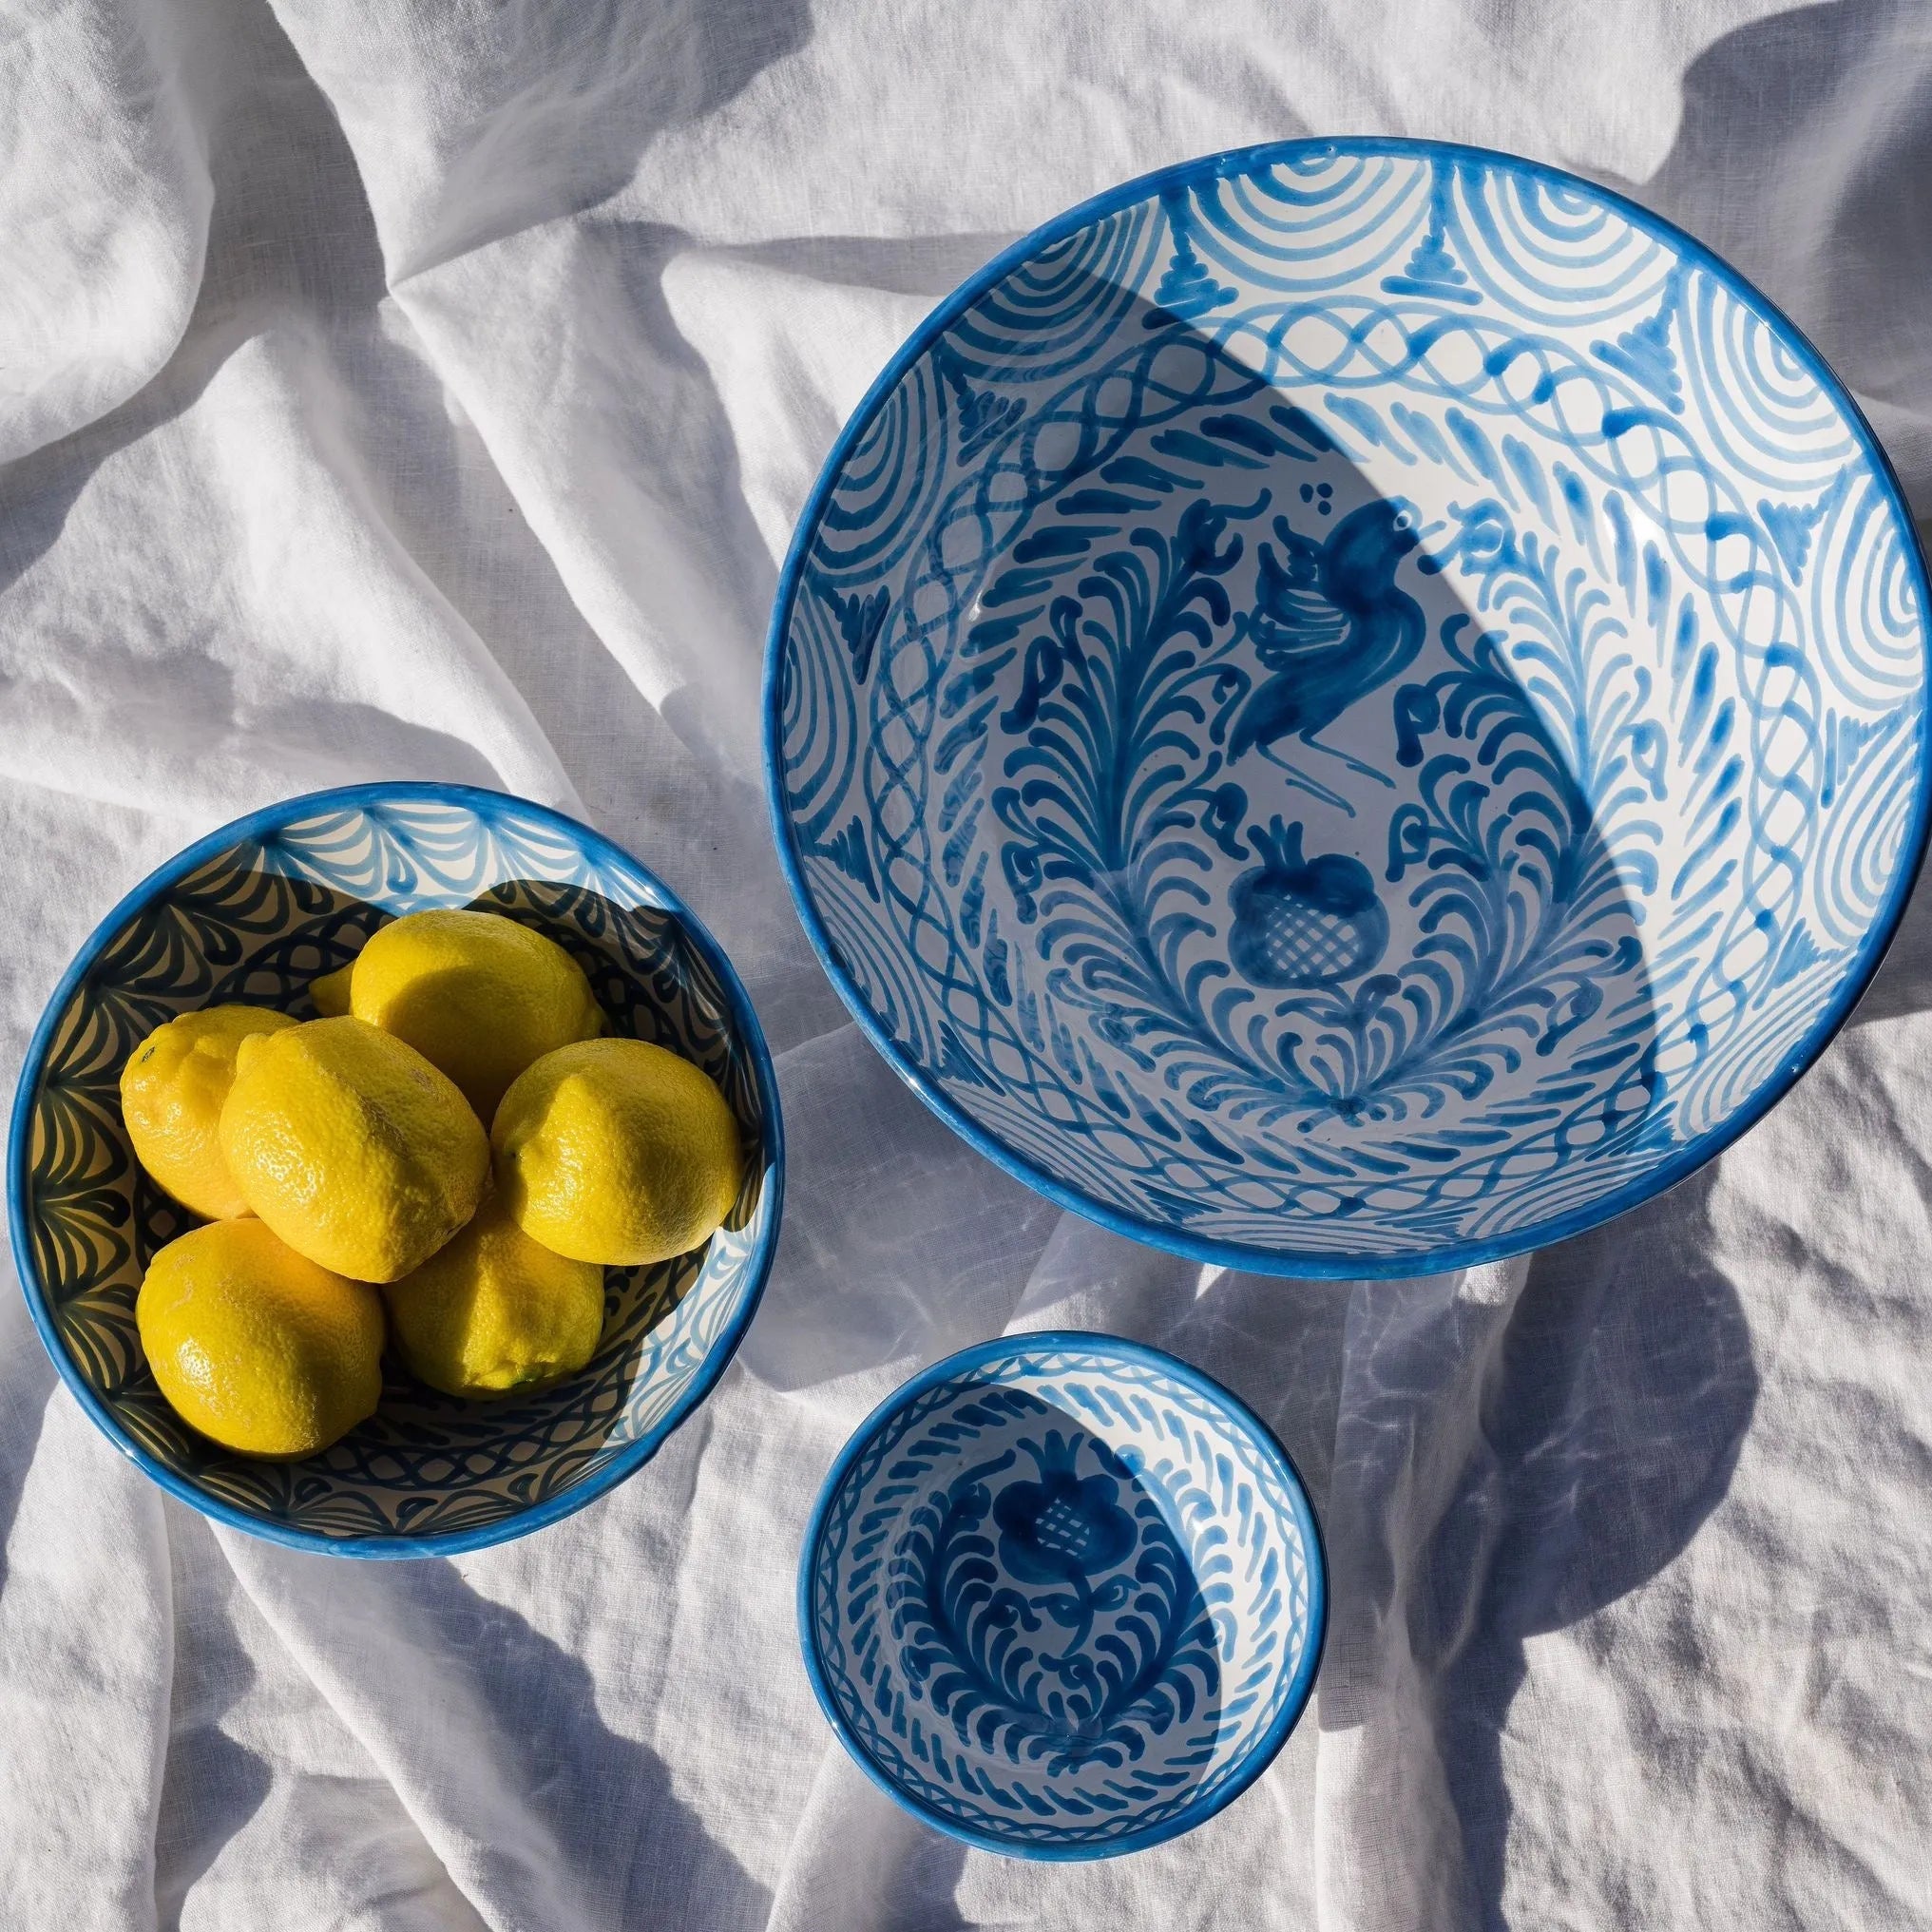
point(255, 1348)
point(617, 1152)
point(172, 1090)
point(475, 993)
point(491, 1312)
point(353, 1147)
point(331, 993)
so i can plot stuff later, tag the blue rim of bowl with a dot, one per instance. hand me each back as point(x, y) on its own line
point(1108, 1347)
point(270, 818)
point(1239, 1256)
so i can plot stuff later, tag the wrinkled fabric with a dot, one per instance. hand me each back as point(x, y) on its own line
point(412, 390)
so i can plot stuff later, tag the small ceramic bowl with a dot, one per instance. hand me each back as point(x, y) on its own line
point(255, 912)
point(1063, 1597)
point(1352, 707)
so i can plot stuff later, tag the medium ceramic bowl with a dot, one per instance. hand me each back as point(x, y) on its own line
point(1351, 707)
point(1063, 1597)
point(253, 913)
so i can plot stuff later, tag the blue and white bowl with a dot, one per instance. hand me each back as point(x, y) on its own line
point(253, 914)
point(1352, 707)
point(1063, 1597)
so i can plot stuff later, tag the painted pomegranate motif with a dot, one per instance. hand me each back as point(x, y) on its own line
point(1304, 922)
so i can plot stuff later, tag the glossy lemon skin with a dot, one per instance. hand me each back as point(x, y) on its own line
point(476, 994)
point(617, 1152)
point(495, 1313)
point(172, 1092)
point(351, 1147)
point(255, 1348)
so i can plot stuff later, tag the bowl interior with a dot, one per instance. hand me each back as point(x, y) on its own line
point(1354, 704)
point(1064, 1596)
point(255, 920)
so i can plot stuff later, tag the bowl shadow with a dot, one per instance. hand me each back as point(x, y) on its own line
point(1509, 1468)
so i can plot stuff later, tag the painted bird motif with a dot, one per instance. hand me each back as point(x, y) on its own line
point(1331, 623)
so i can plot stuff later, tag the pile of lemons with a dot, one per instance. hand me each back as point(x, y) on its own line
point(350, 1189)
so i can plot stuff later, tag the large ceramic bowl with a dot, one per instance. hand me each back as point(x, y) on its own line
point(1063, 1597)
point(253, 913)
point(1351, 707)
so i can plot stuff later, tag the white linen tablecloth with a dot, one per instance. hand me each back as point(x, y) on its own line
point(427, 388)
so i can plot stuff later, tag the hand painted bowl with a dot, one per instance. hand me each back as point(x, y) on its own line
point(1351, 707)
point(253, 913)
point(1063, 1597)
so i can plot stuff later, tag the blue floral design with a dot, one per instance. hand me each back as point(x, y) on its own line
point(1595, 650)
point(1063, 1592)
point(1063, 1527)
point(1070, 1700)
